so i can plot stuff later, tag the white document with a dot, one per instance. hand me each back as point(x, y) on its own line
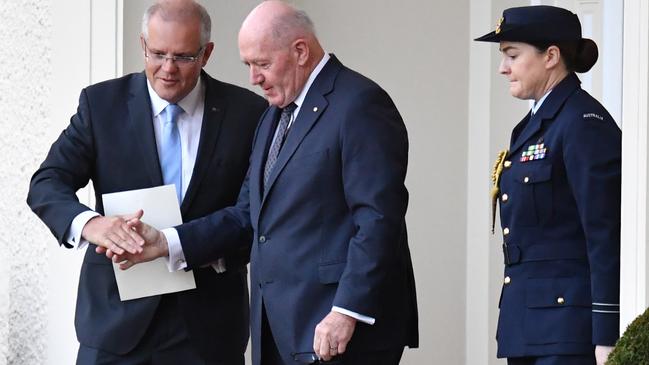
point(161, 210)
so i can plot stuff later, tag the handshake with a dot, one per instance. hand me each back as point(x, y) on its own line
point(125, 240)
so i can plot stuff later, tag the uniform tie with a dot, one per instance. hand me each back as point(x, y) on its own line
point(170, 151)
point(280, 135)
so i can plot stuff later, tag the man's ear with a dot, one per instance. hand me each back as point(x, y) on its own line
point(209, 47)
point(301, 49)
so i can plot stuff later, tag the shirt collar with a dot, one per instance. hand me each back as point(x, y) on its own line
point(189, 103)
point(538, 104)
point(316, 71)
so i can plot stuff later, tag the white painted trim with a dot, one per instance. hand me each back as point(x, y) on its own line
point(611, 57)
point(119, 38)
point(477, 332)
point(104, 40)
point(92, 31)
point(106, 51)
point(633, 291)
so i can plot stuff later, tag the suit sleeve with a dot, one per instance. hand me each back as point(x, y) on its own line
point(592, 155)
point(374, 160)
point(226, 232)
point(66, 169)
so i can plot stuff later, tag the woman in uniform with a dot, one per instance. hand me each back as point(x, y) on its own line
point(558, 188)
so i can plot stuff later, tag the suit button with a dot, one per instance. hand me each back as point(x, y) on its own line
point(262, 239)
point(505, 231)
point(507, 280)
point(560, 300)
point(526, 179)
point(507, 164)
point(504, 198)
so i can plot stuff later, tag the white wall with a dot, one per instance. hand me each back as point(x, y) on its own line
point(25, 75)
point(634, 296)
point(25, 84)
point(70, 36)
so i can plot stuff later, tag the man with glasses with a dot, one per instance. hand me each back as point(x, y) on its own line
point(171, 124)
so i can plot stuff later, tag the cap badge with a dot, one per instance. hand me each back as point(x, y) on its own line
point(500, 22)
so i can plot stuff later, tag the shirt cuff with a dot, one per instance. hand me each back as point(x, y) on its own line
point(176, 259)
point(73, 236)
point(219, 266)
point(359, 317)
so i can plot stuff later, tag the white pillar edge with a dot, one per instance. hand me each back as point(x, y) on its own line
point(106, 53)
point(611, 58)
point(633, 276)
point(477, 331)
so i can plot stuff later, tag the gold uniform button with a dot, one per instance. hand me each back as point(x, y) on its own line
point(507, 164)
point(505, 197)
point(507, 280)
point(505, 231)
point(560, 300)
point(526, 179)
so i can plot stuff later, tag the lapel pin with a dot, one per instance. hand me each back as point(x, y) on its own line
point(214, 109)
point(315, 109)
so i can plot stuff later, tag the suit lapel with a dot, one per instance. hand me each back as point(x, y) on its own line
point(312, 108)
point(310, 111)
point(213, 113)
point(529, 129)
point(141, 123)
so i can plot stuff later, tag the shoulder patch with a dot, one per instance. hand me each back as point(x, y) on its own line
point(593, 115)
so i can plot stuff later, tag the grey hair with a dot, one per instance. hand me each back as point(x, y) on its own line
point(291, 25)
point(168, 12)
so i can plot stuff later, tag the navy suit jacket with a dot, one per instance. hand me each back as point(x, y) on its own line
point(110, 141)
point(560, 213)
point(330, 228)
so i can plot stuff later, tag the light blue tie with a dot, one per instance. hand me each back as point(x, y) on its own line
point(170, 151)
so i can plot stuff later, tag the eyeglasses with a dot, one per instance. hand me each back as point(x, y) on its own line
point(159, 58)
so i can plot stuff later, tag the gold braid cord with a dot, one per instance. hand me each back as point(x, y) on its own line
point(495, 189)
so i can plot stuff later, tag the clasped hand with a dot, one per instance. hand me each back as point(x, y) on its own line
point(152, 244)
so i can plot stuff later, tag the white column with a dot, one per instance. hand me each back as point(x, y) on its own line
point(633, 295)
point(478, 303)
point(86, 43)
point(611, 57)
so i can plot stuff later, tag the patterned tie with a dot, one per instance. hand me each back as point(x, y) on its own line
point(280, 135)
point(170, 151)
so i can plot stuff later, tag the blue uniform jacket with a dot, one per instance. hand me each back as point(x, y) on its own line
point(560, 213)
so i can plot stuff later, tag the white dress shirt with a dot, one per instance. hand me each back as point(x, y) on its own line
point(536, 105)
point(189, 128)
